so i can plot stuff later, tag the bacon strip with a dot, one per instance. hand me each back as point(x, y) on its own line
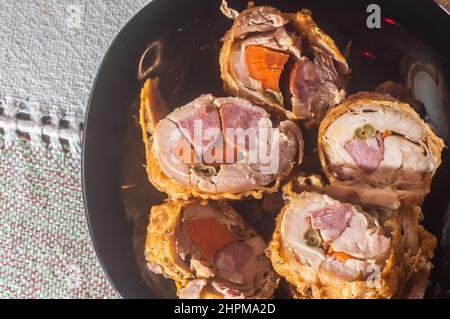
point(234, 257)
point(236, 117)
point(367, 154)
point(208, 116)
point(332, 220)
point(305, 81)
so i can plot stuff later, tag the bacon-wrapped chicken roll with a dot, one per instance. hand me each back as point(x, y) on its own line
point(209, 251)
point(283, 62)
point(216, 148)
point(329, 249)
point(377, 150)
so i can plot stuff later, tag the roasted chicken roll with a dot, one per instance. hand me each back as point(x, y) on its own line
point(329, 249)
point(283, 62)
point(209, 251)
point(378, 150)
point(216, 148)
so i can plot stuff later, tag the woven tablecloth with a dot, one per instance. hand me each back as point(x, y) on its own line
point(50, 51)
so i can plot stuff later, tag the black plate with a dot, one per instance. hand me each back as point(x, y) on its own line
point(190, 32)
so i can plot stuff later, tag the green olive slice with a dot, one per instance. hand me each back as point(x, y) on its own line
point(366, 132)
point(205, 171)
point(312, 238)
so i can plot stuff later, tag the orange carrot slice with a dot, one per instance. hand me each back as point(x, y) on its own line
point(341, 256)
point(386, 134)
point(266, 65)
point(338, 255)
point(209, 236)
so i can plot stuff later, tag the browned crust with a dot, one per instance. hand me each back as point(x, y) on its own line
point(392, 275)
point(163, 221)
point(434, 143)
point(154, 172)
point(419, 271)
point(167, 185)
point(418, 266)
point(306, 26)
